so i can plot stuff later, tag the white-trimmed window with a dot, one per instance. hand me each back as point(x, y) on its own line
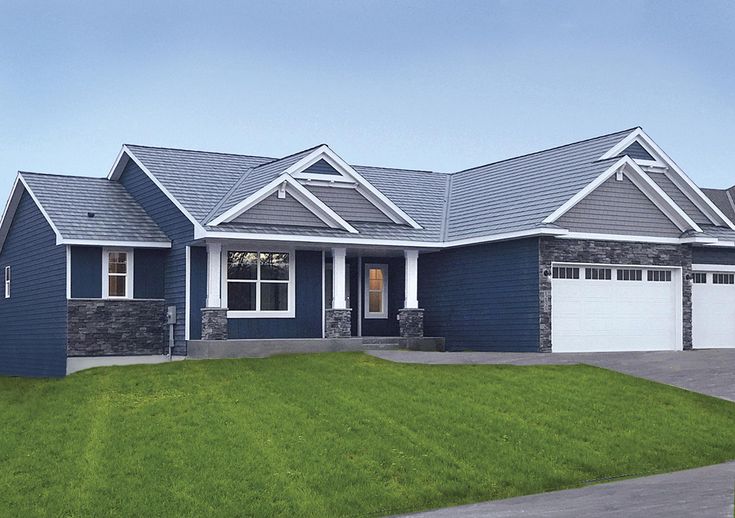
point(565, 272)
point(259, 283)
point(723, 278)
point(598, 274)
point(7, 282)
point(629, 274)
point(117, 273)
point(376, 291)
point(700, 278)
point(659, 275)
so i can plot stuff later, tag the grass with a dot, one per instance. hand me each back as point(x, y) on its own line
point(335, 435)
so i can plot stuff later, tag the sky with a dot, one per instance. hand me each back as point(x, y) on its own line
point(437, 85)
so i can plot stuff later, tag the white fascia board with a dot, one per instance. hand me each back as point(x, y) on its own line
point(121, 162)
point(116, 243)
point(622, 237)
point(299, 192)
point(376, 197)
point(662, 200)
point(721, 244)
point(680, 178)
point(713, 267)
point(594, 184)
point(654, 193)
point(538, 232)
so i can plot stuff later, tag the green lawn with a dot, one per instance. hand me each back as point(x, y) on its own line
point(335, 435)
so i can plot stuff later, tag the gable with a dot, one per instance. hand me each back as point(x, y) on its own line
point(618, 207)
point(280, 211)
point(322, 167)
point(637, 152)
point(681, 199)
point(349, 204)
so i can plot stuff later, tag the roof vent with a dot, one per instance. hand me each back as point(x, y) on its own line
point(90, 214)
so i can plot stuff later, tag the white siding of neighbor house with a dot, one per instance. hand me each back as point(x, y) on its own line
point(618, 207)
point(277, 211)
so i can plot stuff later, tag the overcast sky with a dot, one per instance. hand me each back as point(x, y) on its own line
point(427, 85)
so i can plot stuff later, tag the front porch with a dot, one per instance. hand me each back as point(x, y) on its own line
point(264, 295)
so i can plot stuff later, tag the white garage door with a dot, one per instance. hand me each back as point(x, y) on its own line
point(713, 310)
point(609, 308)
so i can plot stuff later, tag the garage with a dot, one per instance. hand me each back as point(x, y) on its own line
point(713, 308)
point(597, 308)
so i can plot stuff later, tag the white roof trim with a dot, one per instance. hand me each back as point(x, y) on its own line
point(649, 188)
point(680, 179)
point(365, 188)
point(299, 192)
point(122, 160)
point(381, 242)
point(117, 243)
point(623, 237)
point(12, 204)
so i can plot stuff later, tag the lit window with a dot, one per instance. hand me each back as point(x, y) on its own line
point(376, 291)
point(700, 278)
point(562, 272)
point(598, 274)
point(723, 278)
point(118, 282)
point(7, 282)
point(258, 281)
point(659, 275)
point(630, 275)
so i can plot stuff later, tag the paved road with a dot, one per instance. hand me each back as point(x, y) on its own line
point(702, 492)
point(710, 371)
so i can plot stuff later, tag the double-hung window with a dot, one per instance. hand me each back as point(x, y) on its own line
point(260, 283)
point(376, 291)
point(7, 282)
point(117, 271)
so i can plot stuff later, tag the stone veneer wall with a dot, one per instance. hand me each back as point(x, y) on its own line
point(411, 322)
point(103, 327)
point(610, 252)
point(338, 323)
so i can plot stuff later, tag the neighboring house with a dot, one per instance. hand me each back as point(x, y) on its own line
point(599, 245)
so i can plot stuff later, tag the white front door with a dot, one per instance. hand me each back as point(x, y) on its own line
point(614, 308)
point(713, 310)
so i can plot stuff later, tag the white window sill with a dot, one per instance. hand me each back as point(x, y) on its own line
point(375, 317)
point(261, 314)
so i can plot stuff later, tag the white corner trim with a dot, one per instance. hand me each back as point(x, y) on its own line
point(295, 189)
point(713, 268)
point(68, 272)
point(680, 178)
point(641, 180)
point(121, 162)
point(187, 296)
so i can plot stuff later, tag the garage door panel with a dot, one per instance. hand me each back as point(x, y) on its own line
point(713, 315)
point(613, 315)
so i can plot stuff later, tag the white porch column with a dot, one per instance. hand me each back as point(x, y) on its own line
point(214, 275)
point(412, 279)
point(339, 295)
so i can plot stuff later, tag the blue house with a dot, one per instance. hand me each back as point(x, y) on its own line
point(600, 245)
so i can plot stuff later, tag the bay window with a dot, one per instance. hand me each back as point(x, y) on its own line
point(259, 283)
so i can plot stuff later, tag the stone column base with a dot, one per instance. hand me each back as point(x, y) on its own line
point(411, 322)
point(214, 324)
point(338, 323)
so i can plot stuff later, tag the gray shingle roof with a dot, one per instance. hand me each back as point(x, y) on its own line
point(724, 199)
point(117, 216)
point(519, 193)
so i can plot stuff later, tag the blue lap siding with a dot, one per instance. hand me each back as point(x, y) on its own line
point(178, 229)
point(33, 319)
point(198, 287)
point(484, 297)
point(149, 273)
point(86, 272)
point(308, 320)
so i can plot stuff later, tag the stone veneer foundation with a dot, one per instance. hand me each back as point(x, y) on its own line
point(214, 324)
point(610, 252)
point(104, 327)
point(338, 323)
point(411, 323)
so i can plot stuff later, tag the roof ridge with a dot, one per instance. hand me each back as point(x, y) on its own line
point(201, 151)
point(64, 175)
point(554, 148)
point(401, 169)
point(289, 156)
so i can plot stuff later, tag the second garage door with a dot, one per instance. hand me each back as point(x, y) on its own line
point(713, 310)
point(615, 308)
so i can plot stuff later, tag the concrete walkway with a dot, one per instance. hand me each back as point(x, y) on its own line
point(709, 371)
point(703, 492)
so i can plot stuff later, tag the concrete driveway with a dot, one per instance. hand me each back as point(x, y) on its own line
point(703, 492)
point(709, 371)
